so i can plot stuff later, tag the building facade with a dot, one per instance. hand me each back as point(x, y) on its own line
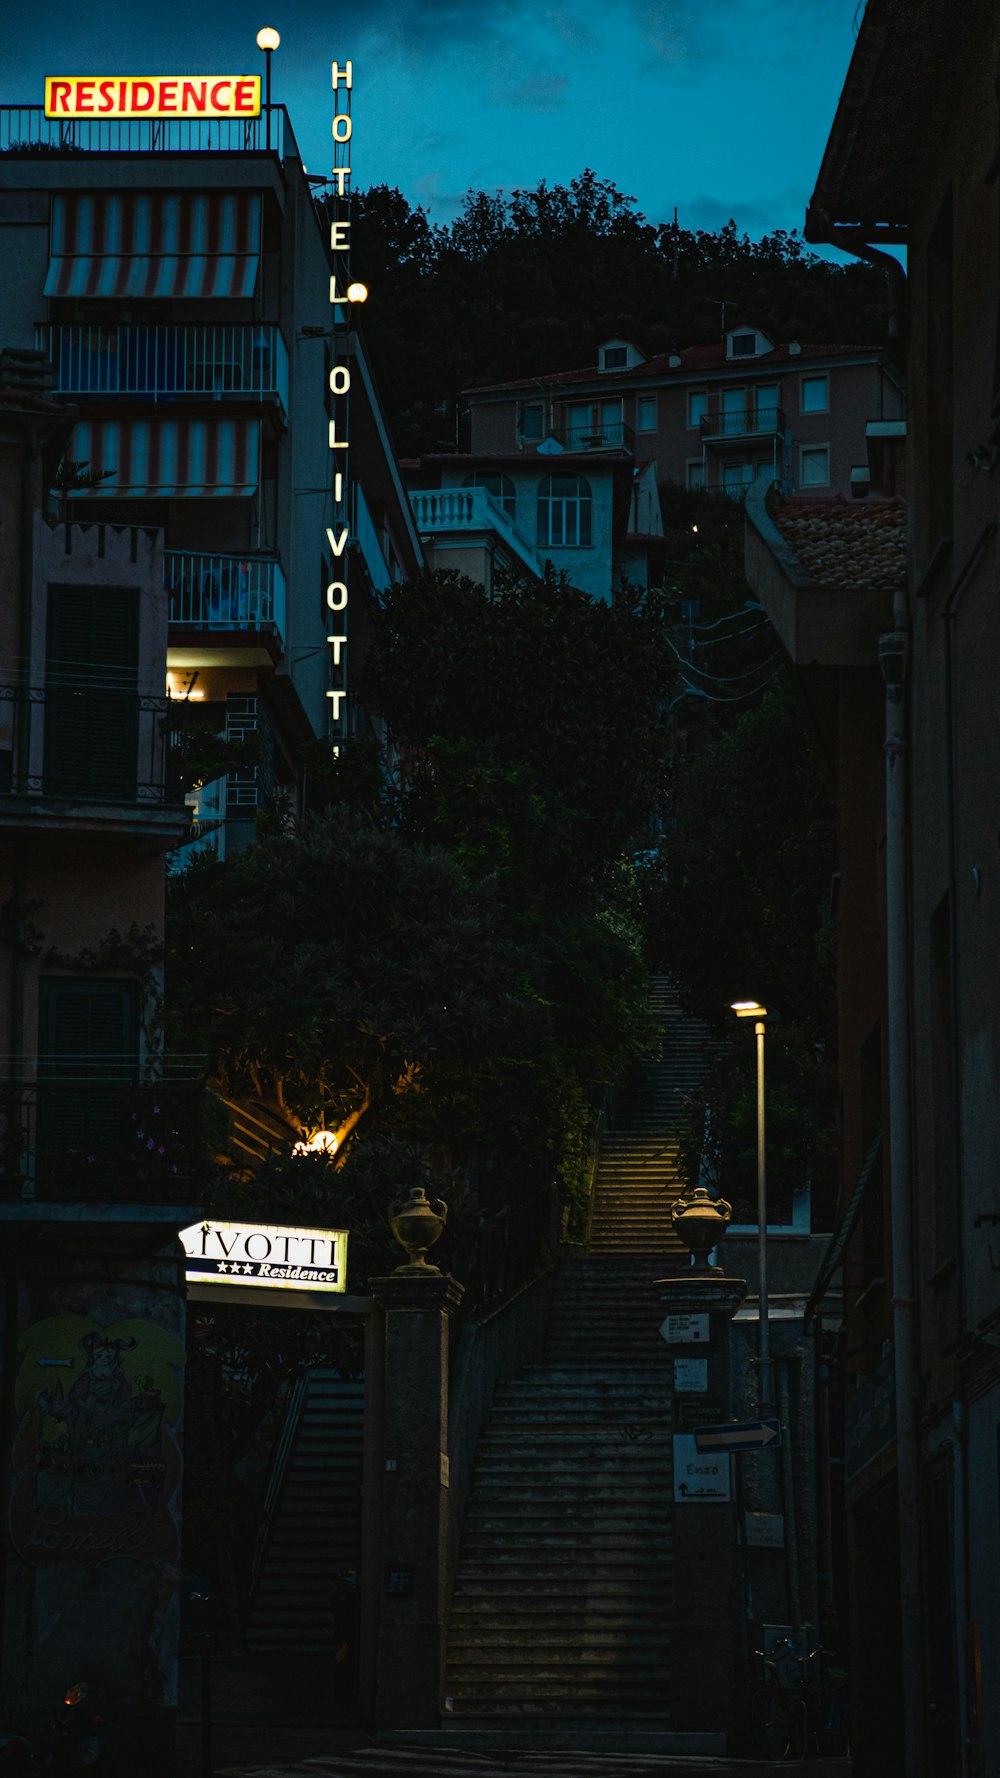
point(912, 162)
point(178, 277)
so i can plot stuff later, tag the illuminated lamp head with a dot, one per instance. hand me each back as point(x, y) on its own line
point(357, 293)
point(320, 1142)
point(267, 38)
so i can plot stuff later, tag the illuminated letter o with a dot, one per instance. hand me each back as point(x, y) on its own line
point(340, 379)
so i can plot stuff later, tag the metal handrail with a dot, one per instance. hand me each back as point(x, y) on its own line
point(28, 718)
point(217, 592)
point(281, 1456)
point(25, 130)
point(745, 422)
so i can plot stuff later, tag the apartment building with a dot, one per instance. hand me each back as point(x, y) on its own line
point(895, 645)
point(177, 274)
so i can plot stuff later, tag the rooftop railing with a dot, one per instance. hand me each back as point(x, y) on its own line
point(25, 131)
point(162, 363)
point(215, 592)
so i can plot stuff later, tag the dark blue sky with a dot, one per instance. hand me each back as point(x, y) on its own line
point(717, 107)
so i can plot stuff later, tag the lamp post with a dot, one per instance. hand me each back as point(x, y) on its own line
point(752, 1009)
point(267, 40)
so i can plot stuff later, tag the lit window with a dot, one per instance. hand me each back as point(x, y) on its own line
point(697, 407)
point(814, 466)
point(815, 395)
point(743, 345)
point(500, 486)
point(615, 357)
point(564, 509)
point(531, 422)
point(646, 414)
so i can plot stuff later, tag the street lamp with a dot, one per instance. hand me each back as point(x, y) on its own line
point(267, 40)
point(752, 1009)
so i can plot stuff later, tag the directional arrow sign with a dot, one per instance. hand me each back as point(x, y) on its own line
point(740, 1435)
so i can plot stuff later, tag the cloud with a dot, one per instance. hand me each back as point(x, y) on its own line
point(754, 216)
point(543, 92)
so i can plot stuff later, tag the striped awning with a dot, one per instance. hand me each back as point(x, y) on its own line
point(154, 244)
point(175, 459)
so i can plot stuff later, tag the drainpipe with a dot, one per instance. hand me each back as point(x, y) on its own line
point(852, 240)
point(894, 649)
point(962, 1560)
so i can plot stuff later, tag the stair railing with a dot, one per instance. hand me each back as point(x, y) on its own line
point(283, 1447)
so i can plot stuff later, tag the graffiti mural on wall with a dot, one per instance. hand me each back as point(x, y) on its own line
point(96, 1459)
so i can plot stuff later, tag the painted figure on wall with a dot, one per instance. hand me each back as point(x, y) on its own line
point(96, 1459)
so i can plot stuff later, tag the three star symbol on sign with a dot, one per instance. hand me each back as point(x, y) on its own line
point(235, 1267)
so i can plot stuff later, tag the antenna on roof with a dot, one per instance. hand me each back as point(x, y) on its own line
point(723, 304)
point(676, 243)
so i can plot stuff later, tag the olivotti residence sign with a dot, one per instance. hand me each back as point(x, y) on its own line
point(171, 95)
point(265, 1256)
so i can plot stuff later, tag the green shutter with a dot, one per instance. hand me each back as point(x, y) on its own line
point(91, 703)
point(87, 1061)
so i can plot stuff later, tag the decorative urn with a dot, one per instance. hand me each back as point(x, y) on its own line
point(417, 1224)
point(700, 1222)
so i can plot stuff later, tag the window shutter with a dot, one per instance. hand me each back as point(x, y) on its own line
point(87, 1055)
point(91, 704)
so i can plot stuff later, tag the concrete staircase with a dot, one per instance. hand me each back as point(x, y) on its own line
point(562, 1606)
point(637, 1178)
point(315, 1535)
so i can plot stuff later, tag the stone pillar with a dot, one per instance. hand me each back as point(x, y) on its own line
point(409, 1668)
point(707, 1656)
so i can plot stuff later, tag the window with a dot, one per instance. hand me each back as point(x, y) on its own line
point(594, 425)
point(695, 473)
point(91, 702)
point(766, 398)
point(500, 486)
point(743, 345)
point(564, 510)
point(815, 395)
point(736, 477)
point(697, 406)
point(814, 466)
point(531, 422)
point(615, 357)
point(86, 1060)
point(645, 419)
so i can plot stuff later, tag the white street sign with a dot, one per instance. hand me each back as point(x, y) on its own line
point(690, 1376)
point(685, 1330)
point(697, 1477)
point(765, 1531)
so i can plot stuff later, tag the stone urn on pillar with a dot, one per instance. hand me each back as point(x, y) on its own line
point(700, 1222)
point(417, 1224)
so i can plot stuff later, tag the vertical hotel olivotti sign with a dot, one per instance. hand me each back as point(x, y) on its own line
point(338, 534)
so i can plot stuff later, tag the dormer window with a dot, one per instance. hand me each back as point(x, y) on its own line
point(614, 357)
point(743, 345)
point(618, 355)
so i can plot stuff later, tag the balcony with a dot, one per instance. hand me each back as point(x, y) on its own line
point(244, 594)
point(720, 425)
point(25, 130)
point(99, 1130)
point(91, 754)
point(613, 435)
point(440, 510)
point(369, 543)
point(161, 364)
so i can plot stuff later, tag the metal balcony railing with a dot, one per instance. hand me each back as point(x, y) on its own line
point(214, 592)
point(25, 130)
point(748, 422)
point(613, 435)
point(163, 363)
point(84, 742)
point(99, 1128)
point(470, 509)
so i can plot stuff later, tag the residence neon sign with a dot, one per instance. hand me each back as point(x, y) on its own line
point(194, 95)
point(338, 534)
point(265, 1256)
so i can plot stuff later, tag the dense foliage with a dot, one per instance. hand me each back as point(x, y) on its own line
point(530, 282)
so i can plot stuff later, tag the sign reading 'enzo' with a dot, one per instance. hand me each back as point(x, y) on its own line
point(261, 1254)
point(197, 95)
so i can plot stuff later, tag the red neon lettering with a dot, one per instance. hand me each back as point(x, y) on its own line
point(243, 96)
point(85, 95)
point(194, 95)
point(217, 103)
point(106, 90)
point(168, 95)
point(61, 89)
point(142, 89)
